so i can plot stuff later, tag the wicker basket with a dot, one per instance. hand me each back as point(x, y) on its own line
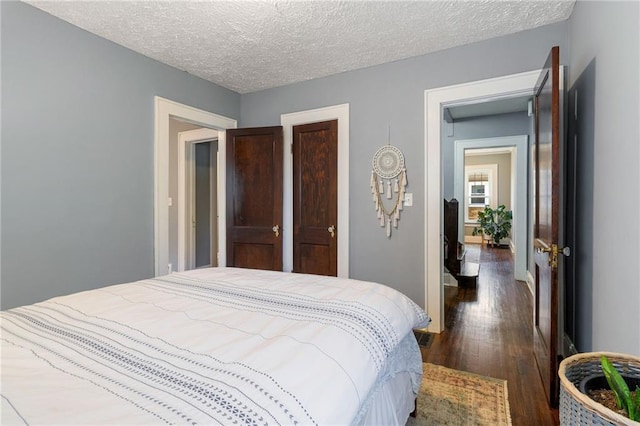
point(577, 408)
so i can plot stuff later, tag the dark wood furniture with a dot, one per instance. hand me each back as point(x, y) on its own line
point(466, 273)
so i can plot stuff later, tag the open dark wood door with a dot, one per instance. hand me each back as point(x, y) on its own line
point(254, 198)
point(546, 167)
point(315, 198)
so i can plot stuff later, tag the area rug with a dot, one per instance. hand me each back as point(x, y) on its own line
point(453, 397)
point(424, 338)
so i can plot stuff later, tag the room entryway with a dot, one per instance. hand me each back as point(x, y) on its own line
point(488, 332)
point(205, 216)
point(165, 166)
point(505, 87)
point(197, 202)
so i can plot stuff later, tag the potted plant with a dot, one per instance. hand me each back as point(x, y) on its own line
point(618, 375)
point(494, 223)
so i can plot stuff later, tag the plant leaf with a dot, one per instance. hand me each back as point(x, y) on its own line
point(637, 404)
point(618, 386)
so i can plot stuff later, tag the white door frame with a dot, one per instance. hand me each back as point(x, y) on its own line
point(341, 113)
point(518, 203)
point(434, 101)
point(164, 110)
point(186, 146)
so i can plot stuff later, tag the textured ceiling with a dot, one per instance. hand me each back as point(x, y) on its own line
point(253, 45)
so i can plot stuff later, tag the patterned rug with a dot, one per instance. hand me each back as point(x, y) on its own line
point(452, 397)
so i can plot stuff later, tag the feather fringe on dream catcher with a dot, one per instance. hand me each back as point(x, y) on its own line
point(388, 176)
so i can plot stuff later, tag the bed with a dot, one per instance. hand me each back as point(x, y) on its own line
point(214, 346)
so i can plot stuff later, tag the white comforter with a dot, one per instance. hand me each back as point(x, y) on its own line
point(212, 346)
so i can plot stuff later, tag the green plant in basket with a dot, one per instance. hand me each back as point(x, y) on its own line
point(621, 391)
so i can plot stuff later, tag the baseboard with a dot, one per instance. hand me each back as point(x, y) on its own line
point(530, 282)
point(473, 239)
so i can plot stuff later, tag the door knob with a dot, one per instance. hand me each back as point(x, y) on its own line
point(276, 230)
point(554, 251)
point(332, 230)
point(544, 249)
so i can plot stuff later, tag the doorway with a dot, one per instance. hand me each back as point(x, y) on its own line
point(435, 100)
point(165, 110)
point(204, 248)
point(517, 146)
point(198, 214)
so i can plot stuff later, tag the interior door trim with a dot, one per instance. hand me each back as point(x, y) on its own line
point(186, 142)
point(434, 100)
point(164, 110)
point(336, 112)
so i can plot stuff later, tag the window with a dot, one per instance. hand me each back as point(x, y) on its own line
point(479, 189)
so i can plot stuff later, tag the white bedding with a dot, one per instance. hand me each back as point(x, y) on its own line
point(210, 346)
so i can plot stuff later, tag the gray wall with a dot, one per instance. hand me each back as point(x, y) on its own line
point(393, 95)
point(604, 41)
point(492, 126)
point(77, 155)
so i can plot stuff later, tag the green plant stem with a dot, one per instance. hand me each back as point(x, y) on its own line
point(620, 389)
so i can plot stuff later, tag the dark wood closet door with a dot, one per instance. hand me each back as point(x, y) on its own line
point(254, 198)
point(315, 192)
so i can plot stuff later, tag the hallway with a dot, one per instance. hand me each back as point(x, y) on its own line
point(489, 330)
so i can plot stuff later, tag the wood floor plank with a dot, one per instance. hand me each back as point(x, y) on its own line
point(489, 331)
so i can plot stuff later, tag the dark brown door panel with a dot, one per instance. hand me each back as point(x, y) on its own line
point(546, 165)
point(315, 189)
point(254, 198)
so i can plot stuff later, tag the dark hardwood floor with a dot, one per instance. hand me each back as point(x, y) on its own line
point(489, 332)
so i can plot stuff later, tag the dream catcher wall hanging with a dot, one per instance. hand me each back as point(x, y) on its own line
point(388, 181)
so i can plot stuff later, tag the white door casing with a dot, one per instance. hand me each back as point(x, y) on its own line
point(341, 113)
point(435, 99)
point(164, 110)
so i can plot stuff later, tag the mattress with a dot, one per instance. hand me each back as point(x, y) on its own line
point(214, 346)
